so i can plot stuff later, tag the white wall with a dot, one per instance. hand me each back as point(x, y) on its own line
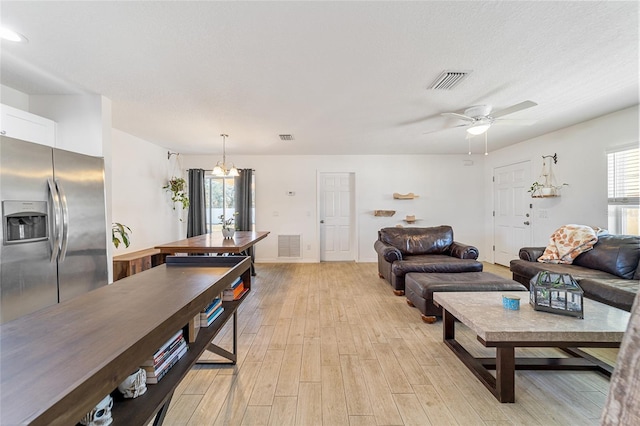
point(450, 193)
point(582, 163)
point(139, 171)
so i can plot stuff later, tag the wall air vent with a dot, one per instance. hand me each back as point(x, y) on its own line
point(289, 246)
point(286, 137)
point(448, 80)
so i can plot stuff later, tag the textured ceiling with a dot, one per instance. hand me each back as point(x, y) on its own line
point(342, 77)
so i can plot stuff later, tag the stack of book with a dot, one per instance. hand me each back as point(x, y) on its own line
point(165, 358)
point(234, 291)
point(211, 312)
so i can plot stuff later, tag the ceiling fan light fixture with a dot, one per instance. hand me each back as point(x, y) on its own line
point(478, 129)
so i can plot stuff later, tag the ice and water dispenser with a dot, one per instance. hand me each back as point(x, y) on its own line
point(24, 221)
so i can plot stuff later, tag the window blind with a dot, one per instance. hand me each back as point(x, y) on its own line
point(624, 177)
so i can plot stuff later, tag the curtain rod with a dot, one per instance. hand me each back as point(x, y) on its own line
point(210, 170)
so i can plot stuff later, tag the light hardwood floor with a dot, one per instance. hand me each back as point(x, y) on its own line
point(329, 344)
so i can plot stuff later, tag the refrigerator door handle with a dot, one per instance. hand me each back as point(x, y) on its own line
point(65, 222)
point(54, 238)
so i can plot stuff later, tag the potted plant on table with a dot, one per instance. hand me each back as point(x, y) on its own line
point(228, 227)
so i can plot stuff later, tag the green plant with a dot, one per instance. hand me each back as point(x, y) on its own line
point(177, 187)
point(535, 186)
point(120, 234)
point(227, 223)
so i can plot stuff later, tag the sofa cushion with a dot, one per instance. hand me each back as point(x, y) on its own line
point(416, 241)
point(615, 254)
point(615, 292)
point(529, 269)
point(435, 263)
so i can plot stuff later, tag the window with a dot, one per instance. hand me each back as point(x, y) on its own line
point(215, 189)
point(624, 191)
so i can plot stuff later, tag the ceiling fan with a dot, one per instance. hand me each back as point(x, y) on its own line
point(479, 118)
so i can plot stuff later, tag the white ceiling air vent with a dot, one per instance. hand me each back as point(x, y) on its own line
point(286, 137)
point(448, 80)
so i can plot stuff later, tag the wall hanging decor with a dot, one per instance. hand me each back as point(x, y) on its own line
point(546, 185)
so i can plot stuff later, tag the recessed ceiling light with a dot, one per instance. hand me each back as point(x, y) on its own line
point(10, 35)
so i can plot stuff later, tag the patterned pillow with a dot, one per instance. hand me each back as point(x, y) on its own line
point(568, 242)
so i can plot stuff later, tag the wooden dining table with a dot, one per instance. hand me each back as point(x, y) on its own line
point(214, 242)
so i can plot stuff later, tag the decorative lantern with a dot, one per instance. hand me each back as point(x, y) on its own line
point(556, 293)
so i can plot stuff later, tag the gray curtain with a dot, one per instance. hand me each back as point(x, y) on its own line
point(243, 199)
point(243, 205)
point(196, 218)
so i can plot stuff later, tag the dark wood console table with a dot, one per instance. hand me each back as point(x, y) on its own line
point(58, 363)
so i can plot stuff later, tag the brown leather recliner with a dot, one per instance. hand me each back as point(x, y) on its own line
point(403, 250)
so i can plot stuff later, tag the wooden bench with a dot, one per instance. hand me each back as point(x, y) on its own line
point(128, 264)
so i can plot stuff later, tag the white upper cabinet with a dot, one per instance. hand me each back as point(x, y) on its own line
point(19, 124)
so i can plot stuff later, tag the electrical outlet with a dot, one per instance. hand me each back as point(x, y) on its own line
point(543, 214)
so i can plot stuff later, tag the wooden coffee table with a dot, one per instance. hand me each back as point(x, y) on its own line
point(482, 312)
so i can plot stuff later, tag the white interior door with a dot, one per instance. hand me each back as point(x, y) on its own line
point(512, 211)
point(336, 217)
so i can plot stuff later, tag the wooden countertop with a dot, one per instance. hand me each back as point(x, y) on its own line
point(58, 363)
point(214, 243)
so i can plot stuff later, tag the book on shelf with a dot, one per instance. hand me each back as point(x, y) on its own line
point(236, 282)
point(162, 361)
point(206, 322)
point(235, 293)
point(167, 347)
point(155, 376)
point(206, 312)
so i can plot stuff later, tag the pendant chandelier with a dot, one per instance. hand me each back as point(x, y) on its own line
point(221, 168)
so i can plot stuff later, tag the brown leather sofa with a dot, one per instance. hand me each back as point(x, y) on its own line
point(608, 273)
point(404, 250)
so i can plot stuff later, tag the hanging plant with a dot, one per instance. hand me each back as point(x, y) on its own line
point(177, 188)
point(120, 234)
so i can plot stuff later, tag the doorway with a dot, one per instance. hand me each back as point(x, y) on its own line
point(336, 195)
point(511, 211)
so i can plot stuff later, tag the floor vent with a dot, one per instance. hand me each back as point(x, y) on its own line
point(286, 137)
point(448, 80)
point(289, 246)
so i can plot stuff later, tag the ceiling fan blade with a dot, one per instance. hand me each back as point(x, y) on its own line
point(507, 122)
point(456, 115)
point(514, 108)
point(440, 130)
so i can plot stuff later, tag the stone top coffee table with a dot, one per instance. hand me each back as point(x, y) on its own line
point(495, 326)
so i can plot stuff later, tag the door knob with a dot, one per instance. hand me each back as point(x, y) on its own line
point(526, 223)
point(322, 221)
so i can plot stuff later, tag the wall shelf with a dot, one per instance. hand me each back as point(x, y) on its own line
point(384, 213)
point(408, 196)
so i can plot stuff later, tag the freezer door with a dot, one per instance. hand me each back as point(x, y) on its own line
point(82, 263)
point(28, 276)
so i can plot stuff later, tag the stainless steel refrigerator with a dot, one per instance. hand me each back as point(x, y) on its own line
point(53, 240)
